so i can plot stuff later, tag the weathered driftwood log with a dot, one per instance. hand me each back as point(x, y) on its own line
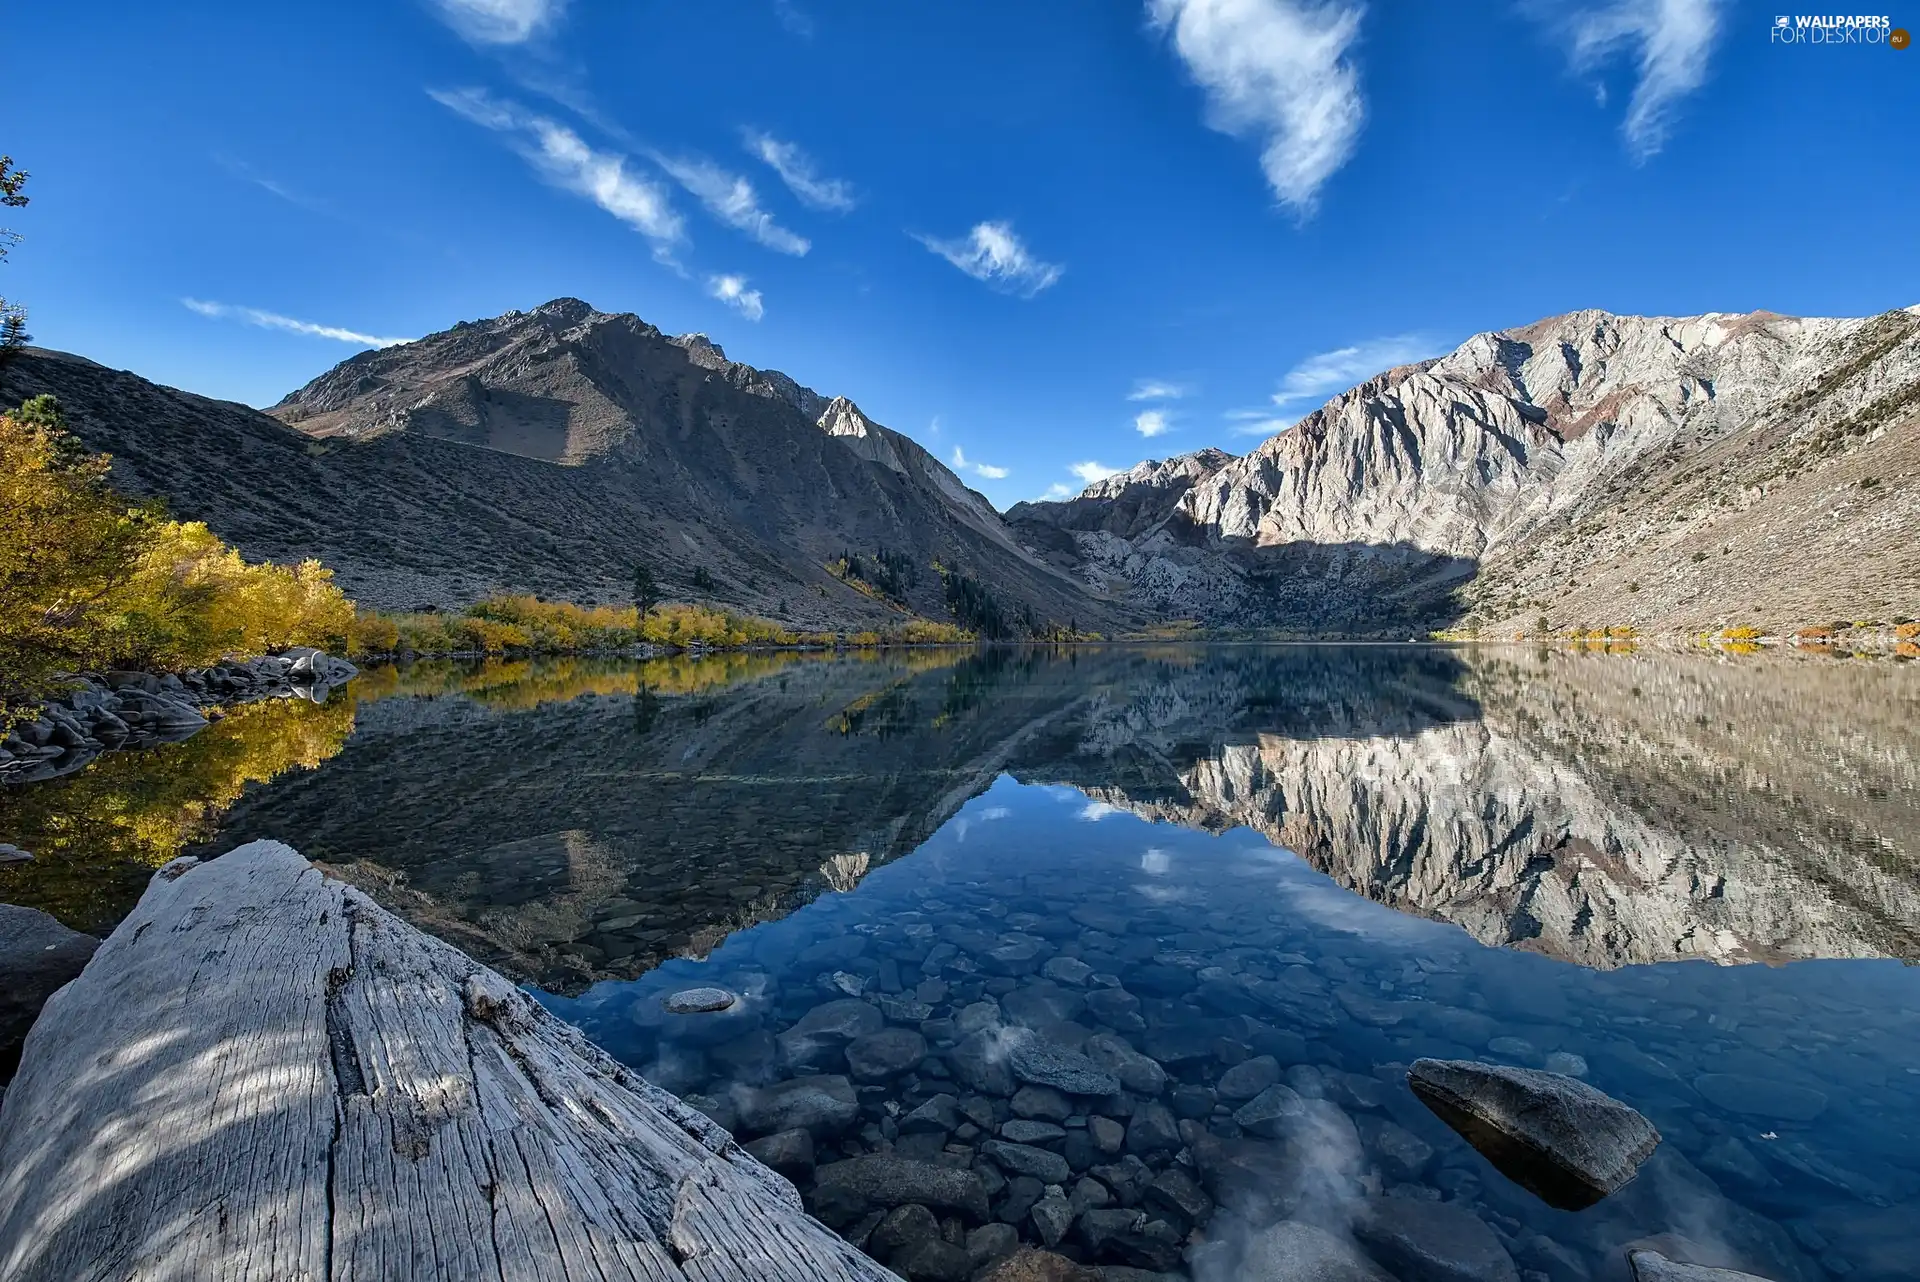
point(264, 1075)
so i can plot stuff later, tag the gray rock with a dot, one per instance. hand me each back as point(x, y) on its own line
point(1128, 1178)
point(1761, 1096)
point(1403, 1155)
point(1651, 1266)
point(824, 1105)
point(1292, 1251)
point(1136, 1072)
point(1727, 1158)
point(902, 1227)
point(819, 1035)
point(903, 1010)
point(1108, 1135)
point(1569, 1143)
point(1271, 1112)
point(788, 1152)
point(1248, 1078)
point(1052, 1217)
point(888, 1053)
point(1025, 1159)
point(845, 1190)
point(14, 855)
point(1030, 1264)
point(932, 1260)
point(1039, 1061)
point(1024, 1131)
point(1176, 1198)
point(1067, 970)
point(935, 1117)
point(991, 1242)
point(1432, 1241)
point(37, 956)
point(1042, 1102)
point(1152, 1130)
point(977, 1016)
point(698, 1001)
point(979, 1060)
point(1116, 1008)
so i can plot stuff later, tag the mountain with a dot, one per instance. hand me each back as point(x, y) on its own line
point(1668, 473)
point(549, 451)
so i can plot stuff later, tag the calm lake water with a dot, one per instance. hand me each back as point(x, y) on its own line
point(1693, 880)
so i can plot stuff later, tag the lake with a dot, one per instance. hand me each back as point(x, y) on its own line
point(1692, 880)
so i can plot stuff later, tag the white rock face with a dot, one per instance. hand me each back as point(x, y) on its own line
point(1493, 451)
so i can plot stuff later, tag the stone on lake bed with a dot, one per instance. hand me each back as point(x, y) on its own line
point(699, 1001)
point(1044, 1064)
point(1294, 1251)
point(1435, 1240)
point(1651, 1266)
point(1031, 1265)
point(1565, 1141)
point(844, 1191)
point(1022, 1130)
point(1025, 1159)
point(884, 1054)
point(824, 1105)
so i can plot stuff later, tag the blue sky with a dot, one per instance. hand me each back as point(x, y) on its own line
point(1054, 237)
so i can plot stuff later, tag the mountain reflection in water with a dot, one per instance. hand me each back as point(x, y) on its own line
point(572, 821)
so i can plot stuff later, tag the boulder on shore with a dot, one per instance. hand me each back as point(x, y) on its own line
point(1568, 1143)
point(1651, 1266)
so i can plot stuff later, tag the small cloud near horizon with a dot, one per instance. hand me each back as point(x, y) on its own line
point(986, 471)
point(1153, 389)
point(733, 291)
point(274, 320)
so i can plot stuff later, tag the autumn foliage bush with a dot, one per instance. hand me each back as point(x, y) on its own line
point(92, 580)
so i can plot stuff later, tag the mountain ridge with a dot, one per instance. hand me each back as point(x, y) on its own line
point(549, 451)
point(1493, 485)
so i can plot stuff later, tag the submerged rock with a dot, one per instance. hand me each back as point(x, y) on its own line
point(1039, 1266)
point(844, 1191)
point(696, 1001)
point(1651, 1266)
point(824, 1105)
point(37, 956)
point(1569, 1143)
point(1432, 1241)
point(1292, 1251)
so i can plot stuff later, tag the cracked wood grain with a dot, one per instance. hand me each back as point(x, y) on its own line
point(264, 1075)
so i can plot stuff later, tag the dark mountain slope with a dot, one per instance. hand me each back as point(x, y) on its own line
point(548, 452)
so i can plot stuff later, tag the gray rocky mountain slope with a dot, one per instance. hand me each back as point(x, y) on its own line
point(548, 451)
point(1669, 473)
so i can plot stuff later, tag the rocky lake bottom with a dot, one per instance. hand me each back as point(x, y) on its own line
point(1128, 952)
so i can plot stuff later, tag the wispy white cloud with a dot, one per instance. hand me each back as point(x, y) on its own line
point(1263, 426)
point(273, 320)
point(796, 20)
point(500, 22)
point(991, 252)
point(1095, 811)
point(559, 156)
point(798, 172)
point(1671, 41)
point(732, 199)
point(1276, 71)
point(1057, 491)
point(1324, 373)
point(1089, 471)
point(1151, 423)
point(733, 291)
point(1153, 389)
point(986, 471)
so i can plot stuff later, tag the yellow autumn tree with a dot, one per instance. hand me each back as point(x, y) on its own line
point(91, 580)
